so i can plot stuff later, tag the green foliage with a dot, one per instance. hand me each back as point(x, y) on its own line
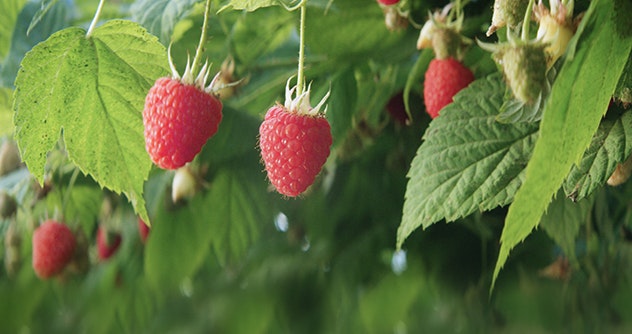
point(161, 17)
point(8, 17)
point(92, 89)
point(6, 112)
point(250, 5)
point(611, 145)
point(571, 117)
point(57, 18)
point(481, 168)
point(564, 219)
point(239, 258)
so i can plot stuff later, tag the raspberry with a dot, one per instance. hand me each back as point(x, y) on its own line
point(294, 148)
point(524, 66)
point(179, 118)
point(388, 2)
point(107, 243)
point(507, 13)
point(53, 248)
point(444, 78)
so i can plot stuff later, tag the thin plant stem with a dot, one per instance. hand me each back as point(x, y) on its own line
point(198, 51)
point(527, 20)
point(301, 50)
point(95, 19)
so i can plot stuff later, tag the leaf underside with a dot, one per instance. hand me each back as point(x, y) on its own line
point(468, 161)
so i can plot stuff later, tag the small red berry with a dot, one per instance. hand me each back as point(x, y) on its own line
point(107, 243)
point(397, 109)
point(294, 148)
point(53, 248)
point(444, 78)
point(179, 118)
point(388, 2)
point(143, 230)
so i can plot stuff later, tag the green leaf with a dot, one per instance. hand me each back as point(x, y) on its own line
point(45, 6)
point(350, 30)
point(179, 242)
point(8, 19)
point(161, 16)
point(563, 220)
point(6, 112)
point(578, 100)
point(59, 17)
point(228, 218)
point(468, 161)
point(235, 138)
point(251, 5)
point(238, 205)
point(624, 87)
point(611, 145)
point(93, 91)
point(341, 104)
point(80, 204)
point(259, 33)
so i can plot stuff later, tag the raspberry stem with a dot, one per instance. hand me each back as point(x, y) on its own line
point(95, 19)
point(301, 49)
point(198, 51)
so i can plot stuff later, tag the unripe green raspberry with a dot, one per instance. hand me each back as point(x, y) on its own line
point(507, 13)
point(524, 66)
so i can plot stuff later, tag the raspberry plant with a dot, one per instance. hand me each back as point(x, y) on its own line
point(538, 233)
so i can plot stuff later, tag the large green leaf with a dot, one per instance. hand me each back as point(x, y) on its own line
point(228, 218)
point(468, 161)
point(161, 16)
point(239, 207)
point(610, 146)
point(179, 243)
point(578, 100)
point(8, 18)
point(91, 89)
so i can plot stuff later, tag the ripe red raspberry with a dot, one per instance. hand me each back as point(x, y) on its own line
point(294, 147)
point(179, 118)
point(444, 78)
point(388, 2)
point(143, 230)
point(53, 248)
point(107, 243)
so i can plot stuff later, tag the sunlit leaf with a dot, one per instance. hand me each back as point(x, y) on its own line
point(91, 90)
point(251, 5)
